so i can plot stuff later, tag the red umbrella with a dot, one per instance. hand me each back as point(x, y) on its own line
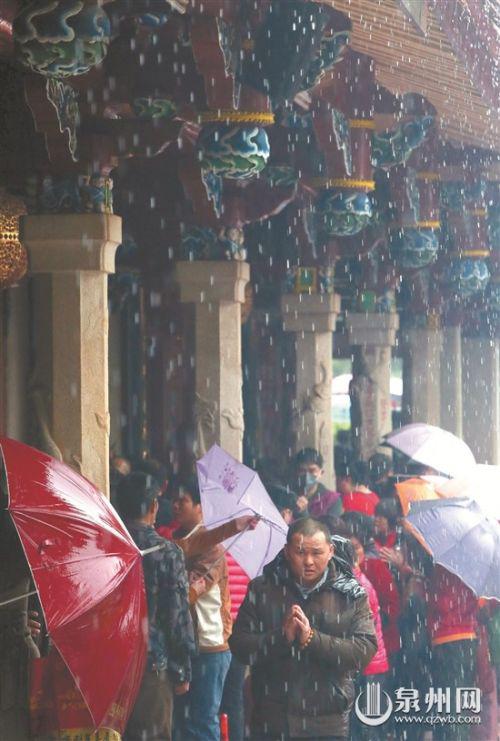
point(88, 575)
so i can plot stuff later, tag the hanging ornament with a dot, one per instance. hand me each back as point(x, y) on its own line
point(414, 247)
point(235, 151)
point(13, 257)
point(61, 38)
point(467, 273)
point(395, 147)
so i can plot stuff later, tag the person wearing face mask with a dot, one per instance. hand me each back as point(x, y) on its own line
point(314, 499)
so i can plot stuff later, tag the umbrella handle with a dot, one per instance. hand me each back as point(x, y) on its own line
point(16, 599)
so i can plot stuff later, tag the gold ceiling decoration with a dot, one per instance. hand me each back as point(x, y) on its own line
point(13, 256)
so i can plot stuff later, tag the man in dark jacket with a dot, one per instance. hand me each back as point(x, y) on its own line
point(171, 634)
point(305, 628)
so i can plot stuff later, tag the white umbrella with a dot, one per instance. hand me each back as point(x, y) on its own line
point(230, 489)
point(481, 483)
point(433, 447)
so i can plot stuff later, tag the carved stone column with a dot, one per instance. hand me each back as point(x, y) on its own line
point(451, 380)
point(422, 374)
point(373, 335)
point(312, 318)
point(217, 289)
point(481, 397)
point(77, 251)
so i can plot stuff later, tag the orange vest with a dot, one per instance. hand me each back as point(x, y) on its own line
point(414, 490)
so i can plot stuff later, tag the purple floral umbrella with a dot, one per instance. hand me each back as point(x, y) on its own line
point(230, 489)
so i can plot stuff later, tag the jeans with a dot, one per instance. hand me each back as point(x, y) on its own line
point(232, 700)
point(205, 695)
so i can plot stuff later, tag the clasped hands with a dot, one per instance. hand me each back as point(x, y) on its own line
point(296, 626)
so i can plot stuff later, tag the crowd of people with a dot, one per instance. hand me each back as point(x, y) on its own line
point(352, 600)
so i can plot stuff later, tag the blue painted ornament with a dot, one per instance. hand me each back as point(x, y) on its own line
point(394, 147)
point(235, 151)
point(153, 20)
point(467, 276)
point(414, 248)
point(61, 38)
point(343, 212)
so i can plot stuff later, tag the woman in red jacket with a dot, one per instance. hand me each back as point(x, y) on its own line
point(379, 574)
point(379, 665)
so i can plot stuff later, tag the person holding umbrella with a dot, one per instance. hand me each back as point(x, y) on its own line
point(171, 641)
point(210, 606)
point(464, 542)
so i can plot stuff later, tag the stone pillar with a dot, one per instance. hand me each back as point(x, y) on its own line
point(312, 318)
point(218, 291)
point(373, 336)
point(481, 398)
point(451, 380)
point(422, 375)
point(78, 251)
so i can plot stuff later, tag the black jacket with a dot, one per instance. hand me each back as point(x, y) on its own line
point(303, 693)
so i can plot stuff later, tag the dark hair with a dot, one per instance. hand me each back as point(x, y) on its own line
point(380, 465)
point(308, 456)
point(360, 473)
point(282, 497)
point(135, 495)
point(308, 526)
point(359, 525)
point(187, 486)
point(390, 509)
point(343, 461)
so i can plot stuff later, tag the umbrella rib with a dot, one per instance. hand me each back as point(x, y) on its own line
point(262, 562)
point(77, 560)
point(97, 525)
point(222, 520)
point(451, 546)
point(103, 597)
point(248, 486)
point(54, 640)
